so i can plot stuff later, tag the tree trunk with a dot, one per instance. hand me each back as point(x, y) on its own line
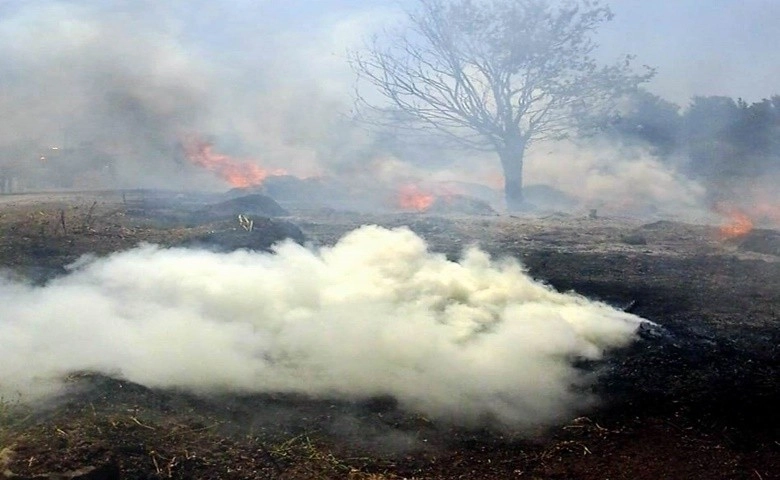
point(512, 163)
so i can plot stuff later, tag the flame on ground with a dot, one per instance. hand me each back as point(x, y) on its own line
point(412, 197)
point(240, 174)
point(738, 223)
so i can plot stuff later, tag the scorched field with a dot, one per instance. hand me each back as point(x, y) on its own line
point(149, 334)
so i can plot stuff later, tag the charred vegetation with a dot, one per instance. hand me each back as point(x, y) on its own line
point(698, 388)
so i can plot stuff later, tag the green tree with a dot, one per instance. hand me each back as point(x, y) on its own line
point(494, 75)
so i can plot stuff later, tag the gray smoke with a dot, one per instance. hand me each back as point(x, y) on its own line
point(376, 314)
point(119, 84)
point(616, 179)
point(97, 83)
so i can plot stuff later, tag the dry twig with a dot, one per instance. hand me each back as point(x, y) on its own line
point(141, 424)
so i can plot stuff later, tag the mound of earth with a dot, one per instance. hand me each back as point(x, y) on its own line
point(762, 241)
point(547, 197)
point(661, 225)
point(264, 233)
point(461, 204)
point(248, 205)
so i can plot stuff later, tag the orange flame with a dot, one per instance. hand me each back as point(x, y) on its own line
point(411, 197)
point(738, 223)
point(237, 173)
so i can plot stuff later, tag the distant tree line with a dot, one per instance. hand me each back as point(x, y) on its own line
point(714, 139)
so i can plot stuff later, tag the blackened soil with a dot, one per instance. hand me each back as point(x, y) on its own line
point(695, 398)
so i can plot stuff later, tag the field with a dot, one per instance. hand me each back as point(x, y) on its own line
point(695, 398)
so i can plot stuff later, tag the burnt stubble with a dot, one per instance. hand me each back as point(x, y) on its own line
point(694, 397)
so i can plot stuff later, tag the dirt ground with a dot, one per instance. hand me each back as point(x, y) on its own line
point(695, 398)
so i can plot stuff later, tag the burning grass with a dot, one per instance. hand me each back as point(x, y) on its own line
point(238, 173)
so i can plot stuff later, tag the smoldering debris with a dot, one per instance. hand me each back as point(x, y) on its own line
point(377, 314)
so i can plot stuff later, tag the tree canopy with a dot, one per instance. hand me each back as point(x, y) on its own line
point(714, 139)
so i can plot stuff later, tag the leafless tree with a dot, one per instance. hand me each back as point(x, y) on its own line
point(493, 75)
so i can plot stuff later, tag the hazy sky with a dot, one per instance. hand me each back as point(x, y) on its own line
point(718, 47)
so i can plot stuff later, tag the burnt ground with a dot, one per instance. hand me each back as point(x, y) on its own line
point(695, 398)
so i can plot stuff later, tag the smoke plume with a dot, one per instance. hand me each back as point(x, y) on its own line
point(376, 314)
point(97, 83)
point(122, 83)
point(618, 180)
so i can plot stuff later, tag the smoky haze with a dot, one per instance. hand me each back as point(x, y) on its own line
point(117, 87)
point(376, 314)
point(114, 86)
point(107, 84)
point(102, 94)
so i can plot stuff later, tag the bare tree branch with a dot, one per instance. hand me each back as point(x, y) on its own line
point(492, 74)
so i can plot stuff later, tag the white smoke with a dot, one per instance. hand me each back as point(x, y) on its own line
point(614, 179)
point(376, 314)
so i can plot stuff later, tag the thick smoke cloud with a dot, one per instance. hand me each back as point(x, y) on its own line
point(616, 179)
point(80, 75)
point(127, 81)
point(97, 83)
point(376, 314)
